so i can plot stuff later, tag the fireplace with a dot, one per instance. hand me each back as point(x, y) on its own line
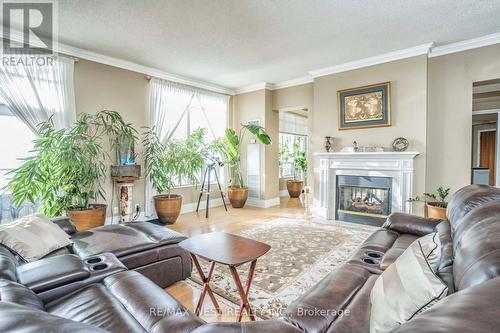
point(363, 199)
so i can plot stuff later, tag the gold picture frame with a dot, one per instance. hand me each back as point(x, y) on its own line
point(364, 107)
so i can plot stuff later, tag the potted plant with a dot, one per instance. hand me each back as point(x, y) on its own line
point(167, 163)
point(229, 147)
point(67, 168)
point(435, 203)
point(295, 185)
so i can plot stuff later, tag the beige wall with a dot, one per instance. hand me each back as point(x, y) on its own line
point(408, 79)
point(256, 105)
point(99, 87)
point(450, 113)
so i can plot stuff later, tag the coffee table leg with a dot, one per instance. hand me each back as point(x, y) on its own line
point(245, 304)
point(206, 286)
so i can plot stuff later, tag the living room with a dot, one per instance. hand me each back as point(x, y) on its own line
point(256, 166)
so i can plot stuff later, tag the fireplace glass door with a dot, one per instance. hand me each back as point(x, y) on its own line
point(363, 199)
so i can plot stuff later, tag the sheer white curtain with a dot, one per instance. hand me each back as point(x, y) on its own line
point(169, 105)
point(35, 93)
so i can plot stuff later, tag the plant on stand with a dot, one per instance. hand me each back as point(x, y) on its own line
point(67, 168)
point(229, 148)
point(435, 203)
point(166, 164)
point(295, 185)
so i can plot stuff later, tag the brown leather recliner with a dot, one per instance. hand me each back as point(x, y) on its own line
point(150, 249)
point(470, 264)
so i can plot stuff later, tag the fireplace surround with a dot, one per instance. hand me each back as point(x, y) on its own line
point(363, 187)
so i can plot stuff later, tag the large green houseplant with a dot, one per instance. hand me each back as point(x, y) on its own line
point(295, 185)
point(229, 148)
point(68, 166)
point(166, 164)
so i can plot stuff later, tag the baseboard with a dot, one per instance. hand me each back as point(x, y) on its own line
point(186, 208)
point(284, 194)
point(263, 203)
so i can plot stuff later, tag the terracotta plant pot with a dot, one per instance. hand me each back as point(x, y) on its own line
point(435, 210)
point(237, 196)
point(294, 188)
point(168, 207)
point(85, 219)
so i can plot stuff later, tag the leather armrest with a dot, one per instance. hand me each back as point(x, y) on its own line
point(52, 272)
point(410, 224)
point(65, 224)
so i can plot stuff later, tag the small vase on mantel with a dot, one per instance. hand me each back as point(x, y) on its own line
point(328, 143)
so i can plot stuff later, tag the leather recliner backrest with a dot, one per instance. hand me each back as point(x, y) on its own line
point(8, 264)
point(477, 247)
point(468, 198)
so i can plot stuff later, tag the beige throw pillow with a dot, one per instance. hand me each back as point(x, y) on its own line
point(33, 237)
point(407, 287)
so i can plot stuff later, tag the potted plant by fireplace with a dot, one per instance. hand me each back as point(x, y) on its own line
point(435, 203)
point(166, 164)
point(295, 185)
point(229, 148)
point(67, 167)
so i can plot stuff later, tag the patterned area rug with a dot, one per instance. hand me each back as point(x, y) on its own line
point(302, 253)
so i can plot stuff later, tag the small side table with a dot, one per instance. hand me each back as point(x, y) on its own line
point(226, 249)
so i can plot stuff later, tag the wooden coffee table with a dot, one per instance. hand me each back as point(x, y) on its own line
point(230, 250)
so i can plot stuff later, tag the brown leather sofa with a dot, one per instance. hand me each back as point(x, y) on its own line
point(470, 264)
point(150, 249)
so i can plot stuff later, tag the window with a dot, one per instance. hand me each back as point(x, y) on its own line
point(16, 141)
point(286, 146)
point(202, 112)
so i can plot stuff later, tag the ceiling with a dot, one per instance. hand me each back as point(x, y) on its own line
point(234, 43)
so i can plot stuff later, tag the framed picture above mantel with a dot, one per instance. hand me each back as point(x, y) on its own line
point(363, 107)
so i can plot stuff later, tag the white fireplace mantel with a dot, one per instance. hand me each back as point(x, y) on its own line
point(396, 165)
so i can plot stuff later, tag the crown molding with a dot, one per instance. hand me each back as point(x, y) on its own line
point(465, 45)
point(293, 82)
point(65, 49)
point(375, 60)
point(253, 87)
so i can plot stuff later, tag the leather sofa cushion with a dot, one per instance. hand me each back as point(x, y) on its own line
point(260, 326)
point(381, 240)
point(477, 256)
point(150, 305)
point(466, 199)
point(400, 245)
point(341, 300)
point(17, 318)
point(410, 224)
point(95, 305)
point(8, 264)
point(123, 239)
point(16, 293)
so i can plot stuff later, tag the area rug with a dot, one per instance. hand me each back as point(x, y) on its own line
point(302, 253)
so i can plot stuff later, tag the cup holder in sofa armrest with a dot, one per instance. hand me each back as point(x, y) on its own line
point(371, 261)
point(99, 267)
point(374, 254)
point(93, 260)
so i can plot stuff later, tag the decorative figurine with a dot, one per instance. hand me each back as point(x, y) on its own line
point(355, 146)
point(328, 143)
point(400, 144)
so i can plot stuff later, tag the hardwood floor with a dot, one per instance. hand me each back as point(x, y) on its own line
point(232, 221)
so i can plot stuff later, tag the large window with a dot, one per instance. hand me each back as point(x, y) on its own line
point(16, 141)
point(200, 112)
point(287, 142)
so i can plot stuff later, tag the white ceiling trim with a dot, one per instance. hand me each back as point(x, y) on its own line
point(293, 82)
point(465, 45)
point(253, 87)
point(16, 36)
point(376, 60)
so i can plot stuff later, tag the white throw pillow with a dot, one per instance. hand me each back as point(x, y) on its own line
point(33, 237)
point(407, 287)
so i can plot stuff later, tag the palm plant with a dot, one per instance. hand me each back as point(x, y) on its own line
point(229, 147)
point(67, 167)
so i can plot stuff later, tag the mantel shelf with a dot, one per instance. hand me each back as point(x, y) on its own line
point(384, 154)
